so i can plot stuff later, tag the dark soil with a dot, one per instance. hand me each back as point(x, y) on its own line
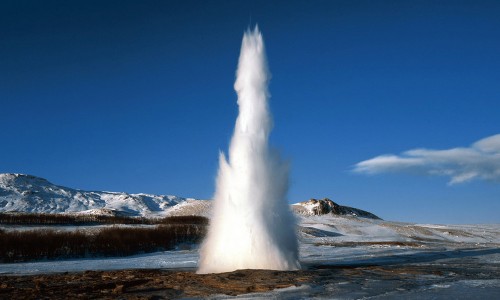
point(321, 280)
point(145, 284)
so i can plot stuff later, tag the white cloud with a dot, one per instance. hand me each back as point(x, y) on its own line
point(481, 160)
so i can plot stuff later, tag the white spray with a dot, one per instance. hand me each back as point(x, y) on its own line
point(252, 226)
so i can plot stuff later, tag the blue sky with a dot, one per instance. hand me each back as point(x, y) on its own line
point(138, 96)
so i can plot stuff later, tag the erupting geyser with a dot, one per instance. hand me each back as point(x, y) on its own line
point(252, 226)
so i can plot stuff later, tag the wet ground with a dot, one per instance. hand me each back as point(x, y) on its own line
point(448, 274)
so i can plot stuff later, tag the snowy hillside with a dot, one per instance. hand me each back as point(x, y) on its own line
point(327, 206)
point(26, 193)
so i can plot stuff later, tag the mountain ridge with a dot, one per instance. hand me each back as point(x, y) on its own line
point(31, 194)
point(327, 206)
point(28, 193)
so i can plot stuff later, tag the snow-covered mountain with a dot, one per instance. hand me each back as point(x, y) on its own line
point(327, 206)
point(27, 193)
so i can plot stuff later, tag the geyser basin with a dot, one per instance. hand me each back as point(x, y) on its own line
point(252, 226)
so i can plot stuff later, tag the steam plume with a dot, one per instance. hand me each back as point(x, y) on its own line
point(252, 226)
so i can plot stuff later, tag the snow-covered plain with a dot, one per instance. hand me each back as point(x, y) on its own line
point(341, 241)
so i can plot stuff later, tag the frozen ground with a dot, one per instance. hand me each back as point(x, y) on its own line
point(159, 260)
point(354, 258)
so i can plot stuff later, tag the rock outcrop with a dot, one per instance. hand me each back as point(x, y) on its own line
point(327, 206)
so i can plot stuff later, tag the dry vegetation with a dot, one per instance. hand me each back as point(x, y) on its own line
point(65, 219)
point(71, 220)
point(17, 246)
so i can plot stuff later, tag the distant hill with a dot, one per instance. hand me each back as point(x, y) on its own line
point(31, 194)
point(27, 193)
point(327, 206)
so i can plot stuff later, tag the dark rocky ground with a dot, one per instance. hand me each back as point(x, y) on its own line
point(145, 284)
point(344, 281)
